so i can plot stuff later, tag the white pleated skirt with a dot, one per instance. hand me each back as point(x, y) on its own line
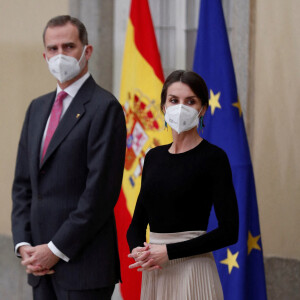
point(189, 278)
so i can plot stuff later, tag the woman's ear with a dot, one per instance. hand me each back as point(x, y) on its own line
point(204, 109)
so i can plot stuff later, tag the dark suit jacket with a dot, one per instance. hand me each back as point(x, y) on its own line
point(70, 198)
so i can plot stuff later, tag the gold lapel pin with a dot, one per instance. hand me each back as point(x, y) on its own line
point(77, 116)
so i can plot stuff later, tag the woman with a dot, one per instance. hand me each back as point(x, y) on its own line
point(180, 183)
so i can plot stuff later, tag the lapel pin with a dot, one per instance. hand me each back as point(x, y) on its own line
point(77, 116)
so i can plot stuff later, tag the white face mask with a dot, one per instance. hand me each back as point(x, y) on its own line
point(64, 67)
point(181, 117)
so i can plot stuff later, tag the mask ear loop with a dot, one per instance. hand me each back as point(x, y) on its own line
point(83, 53)
point(81, 57)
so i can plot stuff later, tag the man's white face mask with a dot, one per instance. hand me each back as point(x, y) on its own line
point(181, 117)
point(64, 67)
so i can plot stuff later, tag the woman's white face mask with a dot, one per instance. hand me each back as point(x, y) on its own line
point(181, 117)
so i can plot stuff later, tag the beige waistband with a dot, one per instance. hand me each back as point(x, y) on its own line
point(174, 237)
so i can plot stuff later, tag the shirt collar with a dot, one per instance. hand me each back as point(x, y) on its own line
point(73, 89)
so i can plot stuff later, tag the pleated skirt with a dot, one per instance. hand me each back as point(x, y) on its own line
point(189, 278)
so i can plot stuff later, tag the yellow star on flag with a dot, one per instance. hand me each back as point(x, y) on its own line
point(214, 101)
point(252, 242)
point(230, 261)
point(238, 106)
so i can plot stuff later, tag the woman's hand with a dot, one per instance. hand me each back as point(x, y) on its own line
point(150, 257)
point(157, 257)
point(137, 252)
point(140, 255)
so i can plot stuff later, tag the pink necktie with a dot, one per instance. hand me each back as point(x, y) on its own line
point(54, 120)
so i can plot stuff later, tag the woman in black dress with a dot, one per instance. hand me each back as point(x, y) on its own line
point(180, 183)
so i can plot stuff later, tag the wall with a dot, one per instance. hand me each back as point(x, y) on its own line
point(24, 76)
point(275, 110)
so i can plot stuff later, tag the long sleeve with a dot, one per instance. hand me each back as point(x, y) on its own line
point(136, 234)
point(225, 204)
point(105, 162)
point(177, 195)
point(57, 252)
point(21, 190)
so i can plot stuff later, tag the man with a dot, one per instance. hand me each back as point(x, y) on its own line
point(68, 176)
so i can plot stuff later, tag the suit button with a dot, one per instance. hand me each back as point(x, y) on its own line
point(40, 197)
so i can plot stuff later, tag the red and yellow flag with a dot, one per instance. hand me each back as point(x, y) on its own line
point(141, 84)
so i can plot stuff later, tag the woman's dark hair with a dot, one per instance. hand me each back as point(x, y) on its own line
point(192, 79)
point(63, 20)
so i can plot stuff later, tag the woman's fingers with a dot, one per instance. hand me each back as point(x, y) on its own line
point(135, 265)
point(142, 256)
point(140, 260)
point(156, 267)
point(137, 250)
point(139, 255)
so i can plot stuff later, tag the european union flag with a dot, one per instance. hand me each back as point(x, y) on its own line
point(240, 266)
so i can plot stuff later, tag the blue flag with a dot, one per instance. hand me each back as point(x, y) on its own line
point(240, 266)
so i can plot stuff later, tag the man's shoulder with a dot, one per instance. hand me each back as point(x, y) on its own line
point(96, 92)
point(101, 98)
point(43, 99)
point(103, 95)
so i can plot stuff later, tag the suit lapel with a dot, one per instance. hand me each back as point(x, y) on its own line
point(41, 117)
point(73, 114)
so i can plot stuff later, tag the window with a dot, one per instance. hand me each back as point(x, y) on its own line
point(175, 23)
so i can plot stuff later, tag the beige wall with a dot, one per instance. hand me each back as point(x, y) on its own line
point(275, 141)
point(23, 76)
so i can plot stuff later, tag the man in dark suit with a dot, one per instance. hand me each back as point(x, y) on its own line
point(68, 176)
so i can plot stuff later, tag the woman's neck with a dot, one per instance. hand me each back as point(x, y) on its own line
point(185, 141)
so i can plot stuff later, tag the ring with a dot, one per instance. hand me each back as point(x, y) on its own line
point(139, 254)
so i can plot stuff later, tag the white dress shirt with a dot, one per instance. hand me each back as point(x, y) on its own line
point(71, 90)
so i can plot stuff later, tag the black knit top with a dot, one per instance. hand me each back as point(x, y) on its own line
point(177, 194)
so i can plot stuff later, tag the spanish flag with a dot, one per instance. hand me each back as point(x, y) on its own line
point(141, 85)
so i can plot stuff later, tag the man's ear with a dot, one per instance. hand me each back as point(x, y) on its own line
point(88, 51)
